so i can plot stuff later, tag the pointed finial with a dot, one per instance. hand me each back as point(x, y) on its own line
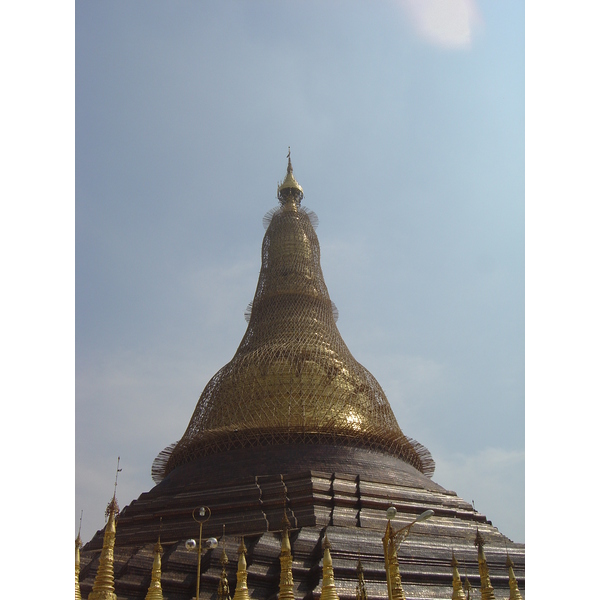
point(112, 505)
point(457, 590)
point(223, 589)
point(242, 550)
point(361, 590)
point(117, 475)
point(155, 589)
point(159, 531)
point(289, 189)
point(104, 582)
point(224, 559)
point(479, 541)
point(328, 591)
point(241, 585)
point(286, 580)
point(468, 587)
point(78, 560)
point(285, 522)
point(392, 567)
point(487, 591)
point(515, 594)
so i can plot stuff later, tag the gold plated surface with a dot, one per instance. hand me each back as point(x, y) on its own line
point(457, 589)
point(292, 379)
point(223, 589)
point(286, 580)
point(361, 589)
point(77, 567)
point(468, 587)
point(104, 583)
point(241, 585)
point(487, 591)
point(289, 187)
point(515, 594)
point(155, 588)
point(392, 567)
point(328, 591)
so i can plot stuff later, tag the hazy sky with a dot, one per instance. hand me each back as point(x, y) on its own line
point(406, 126)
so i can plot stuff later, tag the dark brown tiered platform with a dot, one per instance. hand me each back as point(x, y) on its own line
point(343, 491)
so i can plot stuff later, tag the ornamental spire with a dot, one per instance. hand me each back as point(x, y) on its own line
point(155, 589)
point(241, 586)
point(104, 583)
point(286, 580)
point(395, 590)
point(361, 590)
point(487, 591)
point(77, 560)
point(223, 589)
point(289, 188)
point(457, 589)
point(328, 591)
point(515, 594)
point(468, 587)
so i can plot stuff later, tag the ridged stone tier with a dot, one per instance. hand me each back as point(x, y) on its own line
point(345, 497)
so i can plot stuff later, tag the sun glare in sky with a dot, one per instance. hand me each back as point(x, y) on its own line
point(449, 23)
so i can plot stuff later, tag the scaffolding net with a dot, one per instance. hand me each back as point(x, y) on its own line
point(292, 379)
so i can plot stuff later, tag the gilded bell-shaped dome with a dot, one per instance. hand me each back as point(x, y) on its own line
point(292, 379)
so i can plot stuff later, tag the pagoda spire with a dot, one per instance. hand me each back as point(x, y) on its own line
point(78, 545)
point(298, 379)
point(361, 590)
point(468, 587)
point(487, 591)
point(457, 589)
point(328, 591)
point(515, 594)
point(395, 590)
point(241, 585)
point(223, 589)
point(104, 583)
point(289, 189)
point(286, 580)
point(155, 589)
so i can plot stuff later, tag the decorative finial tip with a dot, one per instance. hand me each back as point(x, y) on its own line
point(112, 508)
point(289, 188)
point(242, 547)
point(479, 541)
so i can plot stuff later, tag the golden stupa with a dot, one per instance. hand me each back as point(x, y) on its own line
point(294, 426)
point(292, 378)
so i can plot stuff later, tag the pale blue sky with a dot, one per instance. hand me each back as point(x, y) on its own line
point(410, 149)
point(149, 337)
